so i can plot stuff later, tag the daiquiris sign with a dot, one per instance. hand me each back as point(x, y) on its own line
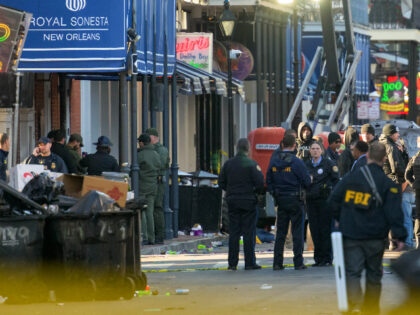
point(74, 35)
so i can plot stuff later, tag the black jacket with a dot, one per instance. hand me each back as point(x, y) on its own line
point(62, 151)
point(52, 162)
point(333, 156)
point(324, 178)
point(3, 164)
point(303, 145)
point(394, 166)
point(354, 206)
point(412, 173)
point(346, 160)
point(99, 162)
point(241, 178)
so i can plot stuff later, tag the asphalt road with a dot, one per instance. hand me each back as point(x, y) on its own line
point(214, 290)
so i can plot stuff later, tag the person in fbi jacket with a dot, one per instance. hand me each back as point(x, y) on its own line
point(367, 204)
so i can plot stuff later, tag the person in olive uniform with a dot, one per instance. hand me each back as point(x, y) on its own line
point(4, 153)
point(412, 175)
point(346, 160)
point(304, 141)
point(74, 144)
point(150, 166)
point(42, 155)
point(367, 204)
point(58, 147)
point(242, 179)
point(158, 212)
point(324, 175)
point(286, 176)
point(394, 165)
point(102, 160)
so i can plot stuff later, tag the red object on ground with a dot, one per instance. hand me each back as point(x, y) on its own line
point(263, 142)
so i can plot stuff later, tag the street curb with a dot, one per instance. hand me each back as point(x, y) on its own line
point(180, 246)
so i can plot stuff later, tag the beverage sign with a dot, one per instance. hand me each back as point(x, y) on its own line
point(392, 97)
point(196, 49)
point(74, 35)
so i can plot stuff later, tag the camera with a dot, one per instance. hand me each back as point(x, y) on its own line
point(235, 53)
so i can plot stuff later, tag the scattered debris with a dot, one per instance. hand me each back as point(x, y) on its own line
point(266, 287)
point(155, 292)
point(182, 291)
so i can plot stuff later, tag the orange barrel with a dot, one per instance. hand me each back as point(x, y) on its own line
point(263, 142)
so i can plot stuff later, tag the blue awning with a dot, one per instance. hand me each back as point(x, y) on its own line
point(74, 36)
point(153, 18)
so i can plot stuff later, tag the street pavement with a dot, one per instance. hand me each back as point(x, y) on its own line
point(214, 290)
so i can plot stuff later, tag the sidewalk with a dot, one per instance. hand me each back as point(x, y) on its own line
point(183, 243)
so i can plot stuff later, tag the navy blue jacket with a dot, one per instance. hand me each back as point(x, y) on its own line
point(3, 164)
point(354, 206)
point(362, 161)
point(333, 156)
point(52, 162)
point(286, 174)
point(324, 178)
point(241, 178)
point(99, 162)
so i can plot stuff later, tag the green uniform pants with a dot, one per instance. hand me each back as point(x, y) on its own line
point(147, 221)
point(158, 213)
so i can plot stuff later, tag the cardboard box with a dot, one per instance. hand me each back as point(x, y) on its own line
point(21, 174)
point(78, 186)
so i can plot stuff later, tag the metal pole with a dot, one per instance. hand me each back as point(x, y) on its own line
point(16, 118)
point(412, 82)
point(174, 166)
point(123, 128)
point(296, 68)
point(134, 163)
point(152, 110)
point(230, 103)
point(258, 65)
point(144, 88)
point(167, 212)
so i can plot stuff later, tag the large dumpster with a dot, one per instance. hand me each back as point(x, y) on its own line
point(21, 244)
point(86, 255)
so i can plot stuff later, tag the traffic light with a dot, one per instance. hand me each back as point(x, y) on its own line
point(14, 25)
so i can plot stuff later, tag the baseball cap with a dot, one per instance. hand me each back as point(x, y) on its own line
point(44, 140)
point(103, 141)
point(76, 137)
point(152, 132)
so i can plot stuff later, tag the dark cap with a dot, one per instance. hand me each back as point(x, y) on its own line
point(52, 133)
point(44, 140)
point(152, 132)
point(103, 141)
point(76, 137)
point(389, 130)
point(145, 138)
point(367, 128)
point(333, 137)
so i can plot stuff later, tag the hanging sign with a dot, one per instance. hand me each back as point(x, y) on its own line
point(196, 49)
point(392, 97)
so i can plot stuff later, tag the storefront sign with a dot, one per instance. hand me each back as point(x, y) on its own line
point(392, 97)
point(196, 49)
point(74, 35)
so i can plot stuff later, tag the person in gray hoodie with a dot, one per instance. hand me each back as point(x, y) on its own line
point(304, 141)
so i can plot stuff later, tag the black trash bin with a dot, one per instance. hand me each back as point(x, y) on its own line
point(21, 245)
point(200, 203)
point(86, 255)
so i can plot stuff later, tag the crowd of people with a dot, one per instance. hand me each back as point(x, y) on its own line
point(58, 156)
point(366, 192)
